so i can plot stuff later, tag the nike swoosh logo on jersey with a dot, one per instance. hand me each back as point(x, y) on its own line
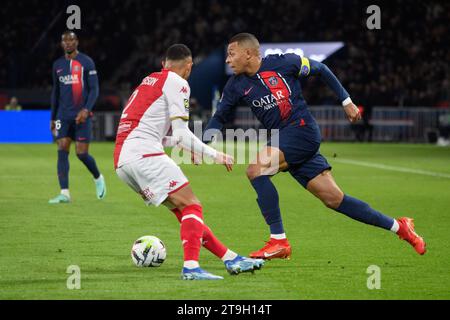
point(267, 255)
point(246, 92)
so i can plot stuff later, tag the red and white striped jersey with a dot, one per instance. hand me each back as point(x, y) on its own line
point(146, 119)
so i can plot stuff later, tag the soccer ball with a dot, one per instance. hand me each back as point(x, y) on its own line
point(148, 251)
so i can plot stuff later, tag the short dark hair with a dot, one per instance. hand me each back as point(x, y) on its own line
point(244, 37)
point(69, 32)
point(178, 52)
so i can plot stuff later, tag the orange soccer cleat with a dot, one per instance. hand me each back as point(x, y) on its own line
point(406, 232)
point(273, 249)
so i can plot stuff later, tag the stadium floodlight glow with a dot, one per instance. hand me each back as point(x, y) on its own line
point(315, 50)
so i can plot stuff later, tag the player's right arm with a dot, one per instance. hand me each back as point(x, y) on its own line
point(54, 98)
point(225, 107)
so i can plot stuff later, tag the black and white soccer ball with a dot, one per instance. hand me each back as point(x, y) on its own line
point(148, 251)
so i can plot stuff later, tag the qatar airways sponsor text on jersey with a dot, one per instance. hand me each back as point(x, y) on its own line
point(75, 86)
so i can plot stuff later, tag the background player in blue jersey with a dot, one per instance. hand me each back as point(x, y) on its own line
point(75, 90)
point(271, 88)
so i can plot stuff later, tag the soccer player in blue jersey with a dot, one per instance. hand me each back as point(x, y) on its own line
point(75, 90)
point(271, 88)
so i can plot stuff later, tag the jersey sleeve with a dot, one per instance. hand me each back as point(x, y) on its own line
point(91, 79)
point(316, 68)
point(297, 65)
point(55, 93)
point(227, 103)
point(177, 93)
point(304, 67)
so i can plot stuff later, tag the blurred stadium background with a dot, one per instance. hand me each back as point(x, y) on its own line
point(398, 75)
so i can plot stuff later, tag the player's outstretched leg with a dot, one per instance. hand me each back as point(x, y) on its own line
point(406, 232)
point(63, 172)
point(234, 263)
point(191, 233)
point(242, 264)
point(91, 165)
point(325, 188)
point(268, 162)
point(191, 237)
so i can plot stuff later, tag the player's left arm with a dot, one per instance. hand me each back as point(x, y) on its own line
point(178, 102)
point(225, 107)
point(313, 67)
point(54, 98)
point(91, 79)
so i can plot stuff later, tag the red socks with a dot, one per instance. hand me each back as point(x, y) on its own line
point(213, 244)
point(191, 231)
point(177, 213)
point(210, 241)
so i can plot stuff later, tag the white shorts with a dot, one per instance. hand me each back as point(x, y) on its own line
point(154, 178)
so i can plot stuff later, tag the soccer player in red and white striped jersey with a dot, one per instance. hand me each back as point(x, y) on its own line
point(161, 103)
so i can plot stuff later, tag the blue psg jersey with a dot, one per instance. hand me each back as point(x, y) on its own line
point(75, 86)
point(274, 93)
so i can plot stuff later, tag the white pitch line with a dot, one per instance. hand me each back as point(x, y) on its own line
point(393, 168)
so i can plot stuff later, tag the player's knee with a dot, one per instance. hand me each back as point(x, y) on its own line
point(333, 200)
point(331, 203)
point(253, 171)
point(81, 149)
point(65, 146)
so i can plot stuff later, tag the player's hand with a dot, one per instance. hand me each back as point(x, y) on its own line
point(82, 116)
point(352, 112)
point(195, 159)
point(225, 159)
point(53, 127)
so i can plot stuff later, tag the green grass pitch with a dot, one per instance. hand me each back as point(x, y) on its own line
point(331, 253)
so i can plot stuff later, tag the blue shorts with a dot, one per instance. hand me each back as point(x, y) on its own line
point(77, 132)
point(300, 143)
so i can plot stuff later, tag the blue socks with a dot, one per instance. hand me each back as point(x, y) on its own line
point(356, 209)
point(89, 162)
point(361, 211)
point(63, 169)
point(268, 203)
